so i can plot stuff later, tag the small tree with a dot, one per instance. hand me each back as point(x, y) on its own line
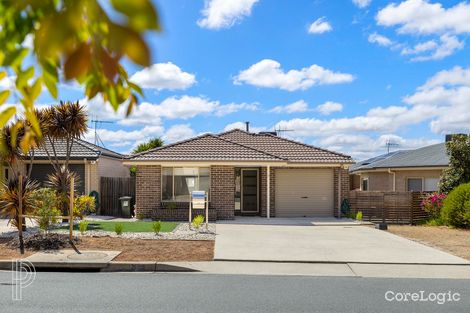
point(458, 172)
point(46, 209)
point(151, 144)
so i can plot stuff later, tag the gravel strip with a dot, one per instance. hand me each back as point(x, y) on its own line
point(181, 232)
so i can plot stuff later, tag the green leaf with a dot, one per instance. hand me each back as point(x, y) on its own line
point(4, 96)
point(140, 13)
point(51, 85)
point(3, 74)
point(136, 88)
point(23, 77)
point(6, 115)
point(15, 58)
point(129, 42)
point(36, 89)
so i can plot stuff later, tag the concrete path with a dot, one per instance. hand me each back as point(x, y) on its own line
point(292, 221)
point(322, 269)
point(357, 244)
point(69, 259)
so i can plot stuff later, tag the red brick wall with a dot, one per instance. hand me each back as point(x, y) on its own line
point(344, 187)
point(148, 190)
point(222, 196)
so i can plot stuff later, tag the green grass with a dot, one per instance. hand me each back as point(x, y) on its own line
point(129, 227)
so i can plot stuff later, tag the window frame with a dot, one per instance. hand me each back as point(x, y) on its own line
point(173, 182)
point(365, 179)
point(412, 177)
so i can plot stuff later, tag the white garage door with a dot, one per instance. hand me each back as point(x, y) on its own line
point(304, 192)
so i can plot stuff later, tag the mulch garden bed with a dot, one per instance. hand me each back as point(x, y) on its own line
point(452, 240)
point(132, 249)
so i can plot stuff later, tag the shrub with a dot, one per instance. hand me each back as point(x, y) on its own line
point(156, 226)
point(198, 220)
point(118, 228)
point(140, 216)
point(359, 216)
point(456, 209)
point(46, 210)
point(433, 204)
point(83, 226)
point(84, 205)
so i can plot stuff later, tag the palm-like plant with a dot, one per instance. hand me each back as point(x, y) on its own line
point(10, 201)
point(60, 181)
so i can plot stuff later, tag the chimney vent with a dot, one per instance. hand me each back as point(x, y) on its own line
point(247, 128)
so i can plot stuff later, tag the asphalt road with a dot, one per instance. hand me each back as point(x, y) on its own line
point(150, 292)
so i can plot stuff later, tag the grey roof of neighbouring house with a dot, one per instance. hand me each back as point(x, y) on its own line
point(429, 156)
point(81, 149)
point(238, 145)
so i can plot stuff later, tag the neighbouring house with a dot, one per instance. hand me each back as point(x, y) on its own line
point(244, 174)
point(90, 162)
point(404, 170)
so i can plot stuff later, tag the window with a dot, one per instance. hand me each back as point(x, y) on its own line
point(179, 182)
point(415, 184)
point(431, 184)
point(365, 184)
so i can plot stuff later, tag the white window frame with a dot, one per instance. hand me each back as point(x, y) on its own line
point(362, 183)
point(420, 178)
point(173, 181)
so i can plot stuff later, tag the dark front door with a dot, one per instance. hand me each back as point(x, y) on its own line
point(249, 191)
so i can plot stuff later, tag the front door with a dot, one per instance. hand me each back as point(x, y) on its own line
point(249, 191)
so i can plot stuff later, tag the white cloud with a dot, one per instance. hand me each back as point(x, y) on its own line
point(178, 132)
point(363, 147)
point(380, 40)
point(219, 14)
point(329, 107)
point(420, 17)
point(448, 45)
point(161, 76)
point(184, 107)
point(268, 73)
point(361, 3)
point(295, 107)
point(423, 17)
point(320, 26)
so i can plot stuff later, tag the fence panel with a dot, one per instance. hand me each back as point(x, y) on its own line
point(397, 207)
point(112, 188)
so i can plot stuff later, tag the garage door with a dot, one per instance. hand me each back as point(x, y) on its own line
point(40, 172)
point(304, 192)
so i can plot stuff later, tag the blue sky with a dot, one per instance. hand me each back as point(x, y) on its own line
point(344, 75)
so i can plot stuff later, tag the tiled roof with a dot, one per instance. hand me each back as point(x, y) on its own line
point(285, 148)
point(238, 145)
point(80, 150)
point(429, 156)
point(207, 147)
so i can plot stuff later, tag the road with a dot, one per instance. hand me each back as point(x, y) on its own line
point(178, 292)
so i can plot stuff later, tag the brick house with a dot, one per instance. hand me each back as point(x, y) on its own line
point(244, 174)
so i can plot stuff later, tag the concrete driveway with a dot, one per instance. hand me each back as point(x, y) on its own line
point(340, 243)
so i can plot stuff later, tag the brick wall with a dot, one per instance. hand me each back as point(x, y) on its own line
point(263, 186)
point(148, 193)
point(344, 187)
point(222, 196)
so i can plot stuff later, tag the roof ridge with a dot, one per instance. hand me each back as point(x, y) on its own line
point(251, 148)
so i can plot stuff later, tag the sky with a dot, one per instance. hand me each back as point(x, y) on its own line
point(346, 75)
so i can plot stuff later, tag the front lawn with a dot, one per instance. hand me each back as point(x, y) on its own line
point(128, 227)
